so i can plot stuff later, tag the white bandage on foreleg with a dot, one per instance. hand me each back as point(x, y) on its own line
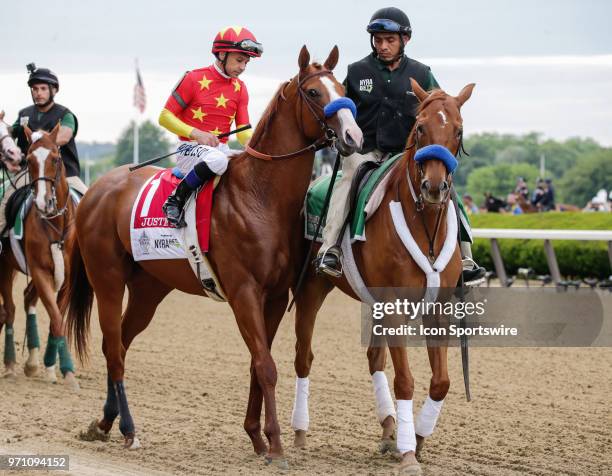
point(406, 438)
point(58, 265)
point(384, 402)
point(299, 417)
point(428, 416)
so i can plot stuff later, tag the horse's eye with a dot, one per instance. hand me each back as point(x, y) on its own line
point(420, 130)
point(313, 93)
point(459, 133)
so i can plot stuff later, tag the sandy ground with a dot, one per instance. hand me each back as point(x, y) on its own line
point(534, 411)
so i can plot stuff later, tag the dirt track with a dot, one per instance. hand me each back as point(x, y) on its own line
point(534, 411)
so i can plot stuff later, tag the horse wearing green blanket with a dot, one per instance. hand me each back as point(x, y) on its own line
point(48, 237)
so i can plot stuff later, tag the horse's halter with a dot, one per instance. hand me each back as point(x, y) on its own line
point(329, 135)
point(58, 164)
point(419, 200)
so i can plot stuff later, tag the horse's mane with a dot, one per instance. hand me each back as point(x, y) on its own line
point(268, 114)
point(271, 108)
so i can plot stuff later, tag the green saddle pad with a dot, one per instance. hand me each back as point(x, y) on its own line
point(318, 189)
point(316, 196)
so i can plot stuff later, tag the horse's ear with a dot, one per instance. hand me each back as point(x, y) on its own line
point(418, 91)
point(304, 58)
point(1, 115)
point(465, 94)
point(53, 134)
point(332, 59)
point(28, 133)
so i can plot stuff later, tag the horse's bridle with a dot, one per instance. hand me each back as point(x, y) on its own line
point(418, 200)
point(57, 161)
point(329, 135)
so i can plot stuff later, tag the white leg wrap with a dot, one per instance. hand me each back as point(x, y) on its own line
point(384, 402)
point(428, 416)
point(406, 439)
point(58, 265)
point(299, 417)
point(33, 356)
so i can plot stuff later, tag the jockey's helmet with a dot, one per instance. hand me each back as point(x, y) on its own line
point(237, 39)
point(42, 75)
point(389, 20)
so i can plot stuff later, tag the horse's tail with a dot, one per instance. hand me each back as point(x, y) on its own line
point(79, 301)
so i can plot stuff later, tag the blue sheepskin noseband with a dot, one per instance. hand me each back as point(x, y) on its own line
point(436, 151)
point(340, 103)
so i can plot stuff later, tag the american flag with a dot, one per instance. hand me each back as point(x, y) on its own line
point(140, 97)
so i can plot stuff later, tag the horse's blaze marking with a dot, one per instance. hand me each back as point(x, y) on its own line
point(443, 116)
point(41, 154)
point(345, 116)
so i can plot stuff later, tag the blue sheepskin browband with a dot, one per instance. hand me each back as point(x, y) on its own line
point(436, 151)
point(340, 103)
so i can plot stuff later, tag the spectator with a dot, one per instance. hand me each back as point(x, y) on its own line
point(470, 206)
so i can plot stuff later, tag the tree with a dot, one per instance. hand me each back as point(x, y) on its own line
point(590, 173)
point(152, 143)
point(498, 179)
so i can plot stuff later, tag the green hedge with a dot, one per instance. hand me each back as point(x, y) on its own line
point(576, 258)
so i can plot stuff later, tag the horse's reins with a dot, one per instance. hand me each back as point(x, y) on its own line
point(325, 140)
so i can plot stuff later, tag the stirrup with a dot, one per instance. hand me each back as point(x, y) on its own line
point(322, 267)
point(468, 265)
point(178, 222)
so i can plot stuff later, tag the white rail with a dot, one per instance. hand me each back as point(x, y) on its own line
point(494, 234)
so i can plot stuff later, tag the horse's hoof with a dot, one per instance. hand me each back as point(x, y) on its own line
point(94, 433)
point(387, 445)
point(31, 370)
point(9, 371)
point(300, 439)
point(50, 374)
point(278, 462)
point(409, 465)
point(420, 440)
point(131, 443)
point(71, 382)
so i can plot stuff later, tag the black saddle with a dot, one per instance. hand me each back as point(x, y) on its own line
point(14, 204)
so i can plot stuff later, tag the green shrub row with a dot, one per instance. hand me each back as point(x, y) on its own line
point(576, 259)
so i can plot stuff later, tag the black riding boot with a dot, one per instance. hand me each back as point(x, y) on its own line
point(173, 207)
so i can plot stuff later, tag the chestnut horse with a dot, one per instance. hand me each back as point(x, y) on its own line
point(384, 262)
point(255, 247)
point(48, 239)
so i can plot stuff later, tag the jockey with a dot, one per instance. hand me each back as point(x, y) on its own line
point(44, 115)
point(203, 105)
point(386, 114)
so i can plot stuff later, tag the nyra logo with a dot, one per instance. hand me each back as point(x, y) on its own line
point(365, 85)
point(166, 243)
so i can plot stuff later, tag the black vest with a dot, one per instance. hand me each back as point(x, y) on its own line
point(48, 120)
point(386, 111)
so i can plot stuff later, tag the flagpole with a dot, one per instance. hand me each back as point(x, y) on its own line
point(135, 157)
point(135, 161)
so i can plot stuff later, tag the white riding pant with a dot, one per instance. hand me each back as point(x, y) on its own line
point(339, 204)
point(191, 153)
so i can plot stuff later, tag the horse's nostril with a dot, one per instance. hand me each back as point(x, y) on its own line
point(425, 185)
point(444, 186)
point(349, 140)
